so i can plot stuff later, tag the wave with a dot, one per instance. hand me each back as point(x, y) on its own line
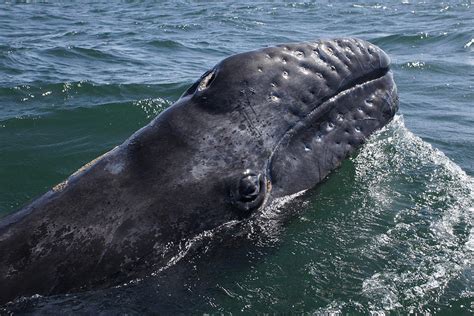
point(168, 44)
point(38, 99)
point(426, 205)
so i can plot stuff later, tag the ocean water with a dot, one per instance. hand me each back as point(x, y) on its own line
point(391, 230)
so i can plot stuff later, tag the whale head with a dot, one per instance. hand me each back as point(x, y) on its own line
point(256, 127)
point(272, 122)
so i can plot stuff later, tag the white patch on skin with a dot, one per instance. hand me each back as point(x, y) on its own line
point(91, 163)
point(115, 167)
point(59, 187)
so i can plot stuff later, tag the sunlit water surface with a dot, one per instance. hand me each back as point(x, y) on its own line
point(391, 230)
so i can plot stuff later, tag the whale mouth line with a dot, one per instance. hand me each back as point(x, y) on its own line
point(362, 80)
point(382, 73)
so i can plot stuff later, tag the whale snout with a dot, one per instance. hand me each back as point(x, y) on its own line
point(360, 68)
point(357, 95)
point(346, 62)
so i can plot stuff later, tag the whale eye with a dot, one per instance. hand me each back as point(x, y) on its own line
point(249, 187)
point(249, 192)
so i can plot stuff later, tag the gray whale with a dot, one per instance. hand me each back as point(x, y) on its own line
point(258, 126)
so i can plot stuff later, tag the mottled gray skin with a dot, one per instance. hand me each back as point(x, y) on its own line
point(258, 126)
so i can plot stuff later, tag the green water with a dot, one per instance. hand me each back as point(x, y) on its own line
point(390, 231)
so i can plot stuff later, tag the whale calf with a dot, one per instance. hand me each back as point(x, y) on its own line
point(258, 126)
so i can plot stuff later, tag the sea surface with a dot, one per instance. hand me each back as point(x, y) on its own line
point(391, 230)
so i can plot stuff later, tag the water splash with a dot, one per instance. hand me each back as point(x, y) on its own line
point(429, 244)
point(153, 106)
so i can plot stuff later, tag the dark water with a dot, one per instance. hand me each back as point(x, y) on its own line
point(391, 230)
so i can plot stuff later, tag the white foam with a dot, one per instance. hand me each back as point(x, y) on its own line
point(431, 258)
